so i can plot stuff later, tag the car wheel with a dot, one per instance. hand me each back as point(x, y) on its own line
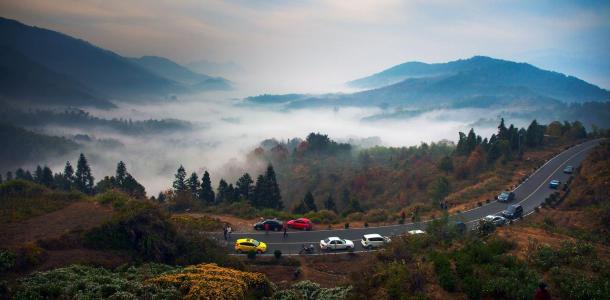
point(277, 229)
point(259, 251)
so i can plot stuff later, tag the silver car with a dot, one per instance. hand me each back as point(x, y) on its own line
point(496, 220)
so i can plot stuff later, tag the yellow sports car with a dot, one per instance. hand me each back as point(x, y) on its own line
point(247, 245)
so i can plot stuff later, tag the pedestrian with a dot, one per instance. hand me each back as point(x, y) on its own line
point(542, 293)
point(224, 231)
point(285, 232)
point(229, 230)
point(266, 228)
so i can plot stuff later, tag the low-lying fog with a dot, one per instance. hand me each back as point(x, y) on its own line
point(227, 130)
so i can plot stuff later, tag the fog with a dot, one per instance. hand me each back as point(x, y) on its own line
point(225, 131)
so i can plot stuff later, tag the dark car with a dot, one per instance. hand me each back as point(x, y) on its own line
point(460, 226)
point(568, 170)
point(274, 224)
point(554, 184)
point(513, 212)
point(506, 196)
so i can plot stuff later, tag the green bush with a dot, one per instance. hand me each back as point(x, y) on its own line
point(277, 254)
point(113, 197)
point(82, 282)
point(311, 290)
point(7, 260)
point(323, 216)
point(574, 284)
point(251, 255)
point(444, 273)
point(355, 216)
point(376, 215)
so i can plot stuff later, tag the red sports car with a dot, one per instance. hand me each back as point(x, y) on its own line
point(300, 223)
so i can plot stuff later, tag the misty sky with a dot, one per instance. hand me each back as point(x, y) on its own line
point(306, 46)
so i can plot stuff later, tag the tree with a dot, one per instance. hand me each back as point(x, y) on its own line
point(37, 174)
point(300, 208)
point(345, 199)
point(267, 191)
point(310, 202)
point(132, 187)
point(161, 197)
point(83, 178)
point(476, 160)
point(206, 194)
point(260, 192)
point(502, 131)
point(244, 187)
point(9, 176)
point(534, 134)
point(223, 191)
point(354, 206)
point(20, 174)
point(193, 185)
point(330, 204)
point(47, 177)
point(179, 181)
point(121, 173)
point(68, 177)
point(439, 189)
point(1, 181)
point(445, 164)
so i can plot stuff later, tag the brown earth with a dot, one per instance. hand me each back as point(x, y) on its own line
point(79, 215)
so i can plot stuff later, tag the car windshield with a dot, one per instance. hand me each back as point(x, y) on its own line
point(511, 209)
point(326, 241)
point(504, 195)
point(255, 243)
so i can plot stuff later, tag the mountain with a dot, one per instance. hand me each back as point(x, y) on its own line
point(166, 68)
point(90, 72)
point(18, 75)
point(221, 69)
point(477, 76)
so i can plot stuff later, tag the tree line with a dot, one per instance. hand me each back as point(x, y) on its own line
point(264, 193)
point(80, 179)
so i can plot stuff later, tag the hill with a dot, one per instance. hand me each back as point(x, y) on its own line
point(166, 68)
point(86, 67)
point(480, 75)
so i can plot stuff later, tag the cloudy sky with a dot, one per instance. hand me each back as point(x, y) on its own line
point(305, 46)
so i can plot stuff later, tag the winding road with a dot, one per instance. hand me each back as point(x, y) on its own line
point(530, 194)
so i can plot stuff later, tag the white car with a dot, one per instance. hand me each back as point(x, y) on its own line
point(416, 231)
point(373, 240)
point(496, 220)
point(336, 243)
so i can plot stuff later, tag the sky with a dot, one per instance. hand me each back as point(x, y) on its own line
point(316, 45)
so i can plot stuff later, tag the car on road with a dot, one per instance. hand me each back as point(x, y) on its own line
point(496, 220)
point(300, 223)
point(506, 196)
point(460, 226)
point(513, 212)
point(274, 225)
point(249, 245)
point(554, 184)
point(568, 170)
point(415, 232)
point(374, 240)
point(336, 243)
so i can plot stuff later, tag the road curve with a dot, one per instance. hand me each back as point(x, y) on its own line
point(530, 194)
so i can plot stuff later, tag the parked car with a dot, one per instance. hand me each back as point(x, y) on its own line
point(568, 170)
point(506, 196)
point(554, 184)
point(274, 225)
point(336, 243)
point(416, 231)
point(248, 245)
point(374, 240)
point(301, 223)
point(496, 220)
point(513, 212)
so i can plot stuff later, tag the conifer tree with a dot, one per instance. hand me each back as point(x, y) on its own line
point(47, 177)
point(329, 204)
point(259, 198)
point(244, 187)
point(68, 177)
point(20, 174)
point(446, 164)
point(274, 196)
point(121, 173)
point(1, 179)
point(300, 208)
point(206, 194)
point(83, 178)
point(37, 174)
point(179, 184)
point(9, 176)
point(193, 185)
point(310, 202)
point(223, 191)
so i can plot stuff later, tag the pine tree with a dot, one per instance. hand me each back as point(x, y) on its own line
point(132, 187)
point(259, 198)
point(20, 174)
point(179, 184)
point(46, 178)
point(345, 199)
point(439, 189)
point(233, 193)
point(161, 197)
point(68, 177)
point(275, 196)
point(83, 178)
point(310, 202)
point(193, 185)
point(329, 204)
point(121, 173)
point(502, 131)
point(223, 191)
point(244, 187)
point(446, 164)
point(300, 208)
point(206, 194)
point(37, 174)
point(1, 181)
point(9, 176)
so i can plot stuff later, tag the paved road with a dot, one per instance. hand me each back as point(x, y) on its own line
point(530, 194)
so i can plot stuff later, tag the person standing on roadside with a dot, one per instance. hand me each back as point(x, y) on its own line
point(229, 230)
point(266, 228)
point(285, 232)
point(542, 293)
point(224, 231)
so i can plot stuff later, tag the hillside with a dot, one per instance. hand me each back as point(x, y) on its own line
point(21, 146)
point(478, 75)
point(86, 67)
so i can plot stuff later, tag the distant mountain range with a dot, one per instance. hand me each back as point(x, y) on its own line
point(41, 66)
point(476, 82)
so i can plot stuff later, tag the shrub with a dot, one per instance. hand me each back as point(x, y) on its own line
point(376, 215)
point(251, 255)
point(113, 197)
point(277, 253)
point(355, 216)
point(7, 260)
point(444, 273)
point(323, 216)
point(310, 290)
